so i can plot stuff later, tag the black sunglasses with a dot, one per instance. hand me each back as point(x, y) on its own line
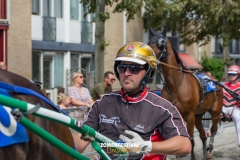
point(134, 69)
point(232, 74)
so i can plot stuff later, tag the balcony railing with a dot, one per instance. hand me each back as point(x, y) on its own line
point(49, 28)
point(86, 32)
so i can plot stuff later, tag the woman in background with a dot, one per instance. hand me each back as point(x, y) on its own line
point(80, 95)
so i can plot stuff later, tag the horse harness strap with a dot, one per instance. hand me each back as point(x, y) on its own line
point(202, 84)
point(180, 69)
point(230, 115)
point(179, 81)
point(232, 112)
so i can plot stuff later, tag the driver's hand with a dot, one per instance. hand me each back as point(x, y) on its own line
point(144, 146)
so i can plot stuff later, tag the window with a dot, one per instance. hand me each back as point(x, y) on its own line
point(48, 68)
point(75, 62)
point(49, 28)
point(81, 62)
point(84, 11)
point(74, 9)
point(58, 8)
point(218, 46)
point(47, 8)
point(2, 45)
point(3, 9)
point(86, 32)
point(35, 7)
point(58, 70)
point(47, 72)
point(93, 17)
point(234, 47)
point(36, 63)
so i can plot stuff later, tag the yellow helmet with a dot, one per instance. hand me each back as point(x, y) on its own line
point(137, 52)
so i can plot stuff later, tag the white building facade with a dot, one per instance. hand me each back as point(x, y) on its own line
point(62, 42)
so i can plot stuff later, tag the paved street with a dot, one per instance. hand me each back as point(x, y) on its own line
point(225, 145)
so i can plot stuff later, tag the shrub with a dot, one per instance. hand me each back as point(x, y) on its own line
point(214, 65)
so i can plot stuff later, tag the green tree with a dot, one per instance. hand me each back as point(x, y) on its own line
point(197, 20)
point(193, 20)
point(98, 6)
point(214, 65)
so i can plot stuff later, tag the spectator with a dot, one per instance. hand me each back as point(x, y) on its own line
point(3, 65)
point(231, 106)
point(80, 95)
point(145, 118)
point(63, 101)
point(103, 87)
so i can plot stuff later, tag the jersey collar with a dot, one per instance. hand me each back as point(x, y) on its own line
point(136, 97)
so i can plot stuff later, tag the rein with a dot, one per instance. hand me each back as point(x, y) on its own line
point(180, 69)
point(231, 112)
point(166, 87)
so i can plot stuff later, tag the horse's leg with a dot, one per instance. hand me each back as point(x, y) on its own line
point(215, 119)
point(199, 126)
point(215, 116)
point(215, 112)
point(190, 120)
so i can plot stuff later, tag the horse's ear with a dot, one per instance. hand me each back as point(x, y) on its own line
point(165, 30)
point(152, 32)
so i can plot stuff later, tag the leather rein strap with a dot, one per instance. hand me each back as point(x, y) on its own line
point(182, 70)
point(170, 66)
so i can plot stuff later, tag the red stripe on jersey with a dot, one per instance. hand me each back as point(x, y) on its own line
point(136, 97)
point(156, 137)
point(228, 99)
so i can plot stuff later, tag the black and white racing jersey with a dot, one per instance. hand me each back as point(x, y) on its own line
point(152, 117)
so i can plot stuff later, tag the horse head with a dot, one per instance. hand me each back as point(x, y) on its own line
point(159, 40)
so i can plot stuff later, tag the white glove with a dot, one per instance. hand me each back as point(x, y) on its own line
point(144, 146)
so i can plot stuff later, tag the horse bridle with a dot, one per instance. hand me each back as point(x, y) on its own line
point(161, 43)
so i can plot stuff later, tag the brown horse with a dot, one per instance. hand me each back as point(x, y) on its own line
point(185, 92)
point(36, 148)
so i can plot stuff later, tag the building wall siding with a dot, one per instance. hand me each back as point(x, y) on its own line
point(114, 34)
point(19, 38)
point(194, 50)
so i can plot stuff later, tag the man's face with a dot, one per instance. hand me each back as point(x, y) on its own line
point(110, 79)
point(232, 77)
point(128, 80)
